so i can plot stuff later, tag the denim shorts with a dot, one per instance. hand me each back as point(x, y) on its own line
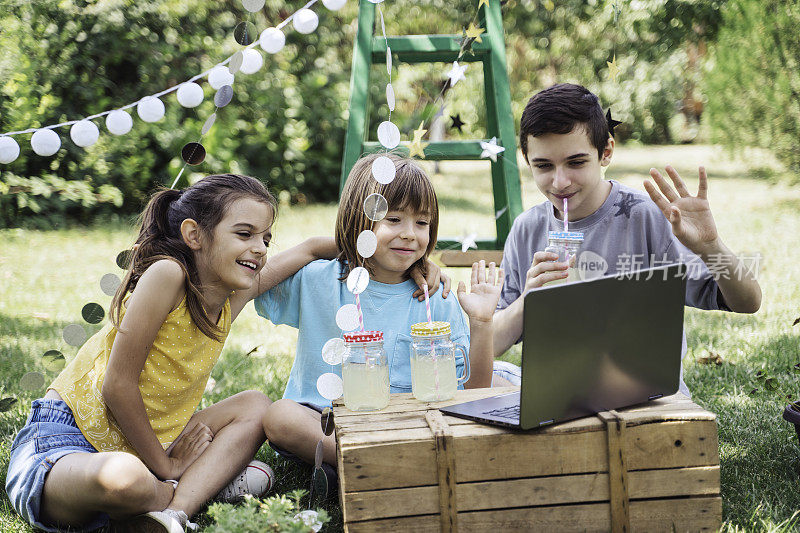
point(49, 434)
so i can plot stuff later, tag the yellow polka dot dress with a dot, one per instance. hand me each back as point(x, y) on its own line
point(172, 381)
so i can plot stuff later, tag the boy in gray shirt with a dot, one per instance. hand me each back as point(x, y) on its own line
point(567, 141)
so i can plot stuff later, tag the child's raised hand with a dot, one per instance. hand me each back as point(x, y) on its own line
point(485, 285)
point(189, 445)
point(690, 216)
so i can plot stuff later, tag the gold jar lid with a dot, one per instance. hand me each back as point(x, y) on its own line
point(430, 329)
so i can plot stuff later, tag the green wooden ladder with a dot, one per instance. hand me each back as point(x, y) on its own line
point(370, 49)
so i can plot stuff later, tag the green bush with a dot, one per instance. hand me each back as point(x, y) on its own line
point(277, 513)
point(65, 60)
point(755, 78)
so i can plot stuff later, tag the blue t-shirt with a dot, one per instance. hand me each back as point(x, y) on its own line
point(309, 301)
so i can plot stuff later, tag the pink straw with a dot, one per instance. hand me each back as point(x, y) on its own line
point(360, 316)
point(566, 215)
point(427, 302)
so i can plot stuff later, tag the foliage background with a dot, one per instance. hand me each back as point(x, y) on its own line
point(64, 60)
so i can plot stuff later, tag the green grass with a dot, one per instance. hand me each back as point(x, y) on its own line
point(47, 276)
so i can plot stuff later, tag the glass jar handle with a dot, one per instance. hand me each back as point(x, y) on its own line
point(465, 377)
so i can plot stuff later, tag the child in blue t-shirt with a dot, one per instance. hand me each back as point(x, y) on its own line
point(310, 299)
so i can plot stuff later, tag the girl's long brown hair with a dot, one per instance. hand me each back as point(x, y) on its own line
point(411, 188)
point(160, 237)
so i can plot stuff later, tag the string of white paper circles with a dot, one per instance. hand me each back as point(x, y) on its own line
point(46, 142)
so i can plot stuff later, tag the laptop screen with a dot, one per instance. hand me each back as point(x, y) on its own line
point(602, 344)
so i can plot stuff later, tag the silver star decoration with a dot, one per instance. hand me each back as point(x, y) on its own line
point(456, 73)
point(491, 149)
point(469, 242)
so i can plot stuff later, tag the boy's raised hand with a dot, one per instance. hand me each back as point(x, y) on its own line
point(485, 285)
point(690, 216)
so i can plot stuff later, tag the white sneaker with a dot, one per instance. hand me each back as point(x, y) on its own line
point(166, 521)
point(256, 479)
point(508, 371)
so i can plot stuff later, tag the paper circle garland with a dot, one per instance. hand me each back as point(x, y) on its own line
point(235, 64)
point(375, 207)
point(366, 243)
point(9, 150)
point(74, 335)
point(347, 317)
point(334, 5)
point(388, 134)
point(190, 94)
point(45, 142)
point(193, 153)
point(220, 76)
point(93, 313)
point(329, 386)
point(245, 33)
point(150, 109)
point(305, 21)
point(84, 133)
point(119, 122)
point(32, 381)
point(253, 6)
point(333, 351)
point(109, 284)
point(383, 170)
point(53, 360)
point(310, 518)
point(124, 259)
point(272, 40)
point(251, 61)
point(358, 280)
point(390, 100)
point(208, 123)
point(224, 96)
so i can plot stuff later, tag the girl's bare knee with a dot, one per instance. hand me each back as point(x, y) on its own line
point(124, 481)
point(281, 419)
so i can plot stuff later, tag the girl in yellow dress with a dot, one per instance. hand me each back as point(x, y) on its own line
point(116, 435)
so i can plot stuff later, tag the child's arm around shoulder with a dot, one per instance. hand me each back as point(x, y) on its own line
point(158, 292)
point(283, 265)
point(479, 304)
point(693, 225)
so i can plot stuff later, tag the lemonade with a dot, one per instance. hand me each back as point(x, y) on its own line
point(366, 386)
point(424, 374)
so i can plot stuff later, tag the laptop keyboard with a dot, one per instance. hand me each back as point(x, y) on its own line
point(511, 412)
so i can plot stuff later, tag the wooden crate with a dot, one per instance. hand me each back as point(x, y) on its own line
point(409, 468)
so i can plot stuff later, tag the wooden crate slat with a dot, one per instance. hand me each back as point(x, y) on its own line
point(680, 514)
point(457, 258)
point(677, 407)
point(373, 464)
point(541, 491)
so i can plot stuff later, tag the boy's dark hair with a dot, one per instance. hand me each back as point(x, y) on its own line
point(561, 108)
point(160, 235)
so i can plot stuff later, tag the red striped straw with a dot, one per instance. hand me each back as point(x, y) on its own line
point(566, 215)
point(427, 302)
point(360, 316)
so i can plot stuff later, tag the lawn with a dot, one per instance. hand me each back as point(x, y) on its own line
point(47, 276)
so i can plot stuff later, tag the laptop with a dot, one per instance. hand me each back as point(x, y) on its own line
point(593, 346)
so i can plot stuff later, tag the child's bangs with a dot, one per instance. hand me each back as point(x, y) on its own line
point(411, 189)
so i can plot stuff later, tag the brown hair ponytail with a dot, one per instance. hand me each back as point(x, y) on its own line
point(160, 238)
